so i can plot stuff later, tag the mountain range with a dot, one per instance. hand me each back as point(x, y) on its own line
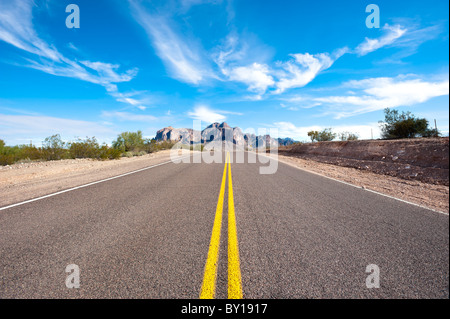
point(217, 132)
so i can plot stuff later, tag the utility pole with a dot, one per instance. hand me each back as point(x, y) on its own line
point(435, 127)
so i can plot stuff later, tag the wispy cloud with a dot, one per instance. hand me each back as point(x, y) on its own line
point(129, 117)
point(16, 28)
point(183, 57)
point(304, 68)
point(391, 34)
point(187, 4)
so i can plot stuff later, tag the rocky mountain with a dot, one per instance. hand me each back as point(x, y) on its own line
point(218, 133)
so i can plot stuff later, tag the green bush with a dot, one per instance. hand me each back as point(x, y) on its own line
point(151, 146)
point(88, 148)
point(54, 148)
point(106, 153)
point(348, 136)
point(127, 154)
point(6, 159)
point(11, 154)
point(322, 136)
point(129, 142)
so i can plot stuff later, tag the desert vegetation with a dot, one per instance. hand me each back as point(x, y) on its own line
point(405, 125)
point(127, 144)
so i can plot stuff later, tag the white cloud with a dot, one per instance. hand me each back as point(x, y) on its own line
point(379, 93)
point(256, 76)
point(392, 33)
point(304, 68)
point(207, 115)
point(17, 129)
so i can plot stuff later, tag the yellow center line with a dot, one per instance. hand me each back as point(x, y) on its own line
point(209, 278)
point(234, 269)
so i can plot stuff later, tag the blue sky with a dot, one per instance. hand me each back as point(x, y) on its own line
point(290, 65)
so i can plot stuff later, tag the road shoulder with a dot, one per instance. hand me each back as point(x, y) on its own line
point(432, 196)
point(25, 181)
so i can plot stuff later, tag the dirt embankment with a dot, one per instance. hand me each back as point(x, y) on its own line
point(424, 160)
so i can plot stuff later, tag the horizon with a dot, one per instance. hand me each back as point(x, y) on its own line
point(141, 65)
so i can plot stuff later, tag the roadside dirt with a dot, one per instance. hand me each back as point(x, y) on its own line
point(420, 159)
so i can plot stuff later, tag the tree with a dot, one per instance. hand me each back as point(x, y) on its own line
point(54, 147)
point(404, 125)
point(313, 135)
point(129, 141)
point(326, 135)
point(322, 136)
point(88, 148)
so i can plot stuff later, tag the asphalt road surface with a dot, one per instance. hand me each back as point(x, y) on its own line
point(149, 235)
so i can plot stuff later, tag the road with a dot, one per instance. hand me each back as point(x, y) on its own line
point(148, 235)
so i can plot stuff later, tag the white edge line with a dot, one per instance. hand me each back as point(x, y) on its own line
point(359, 187)
point(86, 185)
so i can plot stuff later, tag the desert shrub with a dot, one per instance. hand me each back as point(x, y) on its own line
point(106, 152)
point(348, 136)
point(88, 148)
point(152, 145)
point(11, 154)
point(4, 158)
point(165, 145)
point(129, 141)
point(53, 148)
point(29, 152)
point(127, 154)
point(197, 147)
point(322, 136)
point(8, 154)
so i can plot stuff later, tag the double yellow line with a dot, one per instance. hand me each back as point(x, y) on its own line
point(234, 270)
